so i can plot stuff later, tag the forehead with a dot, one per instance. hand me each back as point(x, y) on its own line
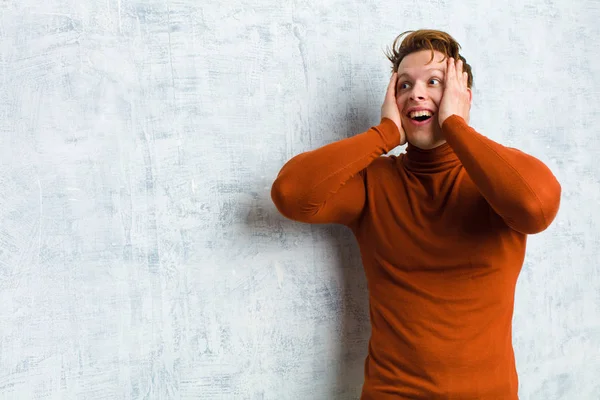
point(419, 62)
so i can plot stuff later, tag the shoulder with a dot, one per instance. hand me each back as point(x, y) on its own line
point(385, 163)
point(383, 167)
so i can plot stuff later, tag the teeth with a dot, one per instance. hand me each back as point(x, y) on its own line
point(422, 113)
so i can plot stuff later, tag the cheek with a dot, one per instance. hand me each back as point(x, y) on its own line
point(400, 101)
point(436, 97)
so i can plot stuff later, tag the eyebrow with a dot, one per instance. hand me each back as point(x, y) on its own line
point(432, 69)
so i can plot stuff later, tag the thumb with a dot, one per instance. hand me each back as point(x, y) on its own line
point(391, 89)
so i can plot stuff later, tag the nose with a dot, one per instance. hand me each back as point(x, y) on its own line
point(418, 92)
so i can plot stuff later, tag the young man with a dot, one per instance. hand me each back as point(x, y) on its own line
point(441, 228)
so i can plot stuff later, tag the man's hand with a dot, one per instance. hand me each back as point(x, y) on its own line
point(389, 109)
point(456, 98)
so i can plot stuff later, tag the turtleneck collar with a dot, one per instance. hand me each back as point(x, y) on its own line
point(432, 160)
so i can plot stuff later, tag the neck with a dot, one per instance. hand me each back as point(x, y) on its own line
point(428, 146)
point(431, 159)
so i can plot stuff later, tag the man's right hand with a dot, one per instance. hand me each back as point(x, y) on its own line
point(389, 109)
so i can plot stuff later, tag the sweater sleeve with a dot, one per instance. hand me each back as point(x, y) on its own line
point(518, 187)
point(325, 185)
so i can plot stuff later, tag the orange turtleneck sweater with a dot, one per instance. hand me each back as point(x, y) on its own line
point(442, 236)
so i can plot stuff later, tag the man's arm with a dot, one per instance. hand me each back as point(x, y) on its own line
point(519, 187)
point(325, 185)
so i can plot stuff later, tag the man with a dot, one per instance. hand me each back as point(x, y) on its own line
point(442, 228)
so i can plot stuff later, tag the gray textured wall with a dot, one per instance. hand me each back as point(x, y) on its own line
point(140, 254)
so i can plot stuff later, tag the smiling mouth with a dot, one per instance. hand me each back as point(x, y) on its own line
point(421, 118)
point(420, 115)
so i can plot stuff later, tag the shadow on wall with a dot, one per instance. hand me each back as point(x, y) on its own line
point(354, 316)
point(341, 286)
point(340, 298)
point(353, 117)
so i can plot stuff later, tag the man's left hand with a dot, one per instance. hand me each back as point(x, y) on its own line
point(456, 98)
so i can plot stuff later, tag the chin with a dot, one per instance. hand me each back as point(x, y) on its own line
point(420, 136)
point(424, 140)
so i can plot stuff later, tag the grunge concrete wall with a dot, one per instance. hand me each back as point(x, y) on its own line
point(140, 254)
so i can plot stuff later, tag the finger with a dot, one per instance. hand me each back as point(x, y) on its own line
point(391, 89)
point(465, 79)
point(450, 71)
point(459, 71)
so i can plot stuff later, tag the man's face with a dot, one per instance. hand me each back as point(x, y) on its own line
point(420, 86)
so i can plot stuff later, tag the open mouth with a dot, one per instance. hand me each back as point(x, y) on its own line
point(420, 117)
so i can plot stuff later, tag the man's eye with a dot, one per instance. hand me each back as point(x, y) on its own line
point(404, 85)
point(435, 80)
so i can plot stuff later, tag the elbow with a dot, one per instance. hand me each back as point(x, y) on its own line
point(281, 195)
point(284, 195)
point(539, 212)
